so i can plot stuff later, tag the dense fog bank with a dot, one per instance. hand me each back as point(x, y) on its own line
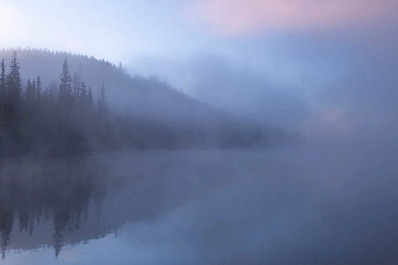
point(67, 117)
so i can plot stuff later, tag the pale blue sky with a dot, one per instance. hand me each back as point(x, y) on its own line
point(124, 30)
point(105, 29)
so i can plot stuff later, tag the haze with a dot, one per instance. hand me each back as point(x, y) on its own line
point(303, 64)
point(269, 135)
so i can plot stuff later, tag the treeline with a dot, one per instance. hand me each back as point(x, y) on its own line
point(55, 53)
point(65, 119)
point(55, 121)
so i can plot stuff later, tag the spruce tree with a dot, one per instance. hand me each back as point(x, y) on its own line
point(76, 84)
point(12, 110)
point(90, 98)
point(38, 90)
point(65, 86)
point(3, 85)
point(3, 95)
point(102, 104)
point(83, 97)
point(14, 80)
point(30, 93)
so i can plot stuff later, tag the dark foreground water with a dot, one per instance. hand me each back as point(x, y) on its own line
point(309, 205)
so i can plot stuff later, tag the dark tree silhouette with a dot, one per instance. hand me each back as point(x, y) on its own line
point(102, 104)
point(65, 121)
point(90, 98)
point(58, 192)
point(3, 87)
point(14, 80)
point(38, 90)
point(12, 110)
point(65, 96)
point(30, 93)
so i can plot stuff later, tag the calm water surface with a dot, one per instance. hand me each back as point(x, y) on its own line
point(297, 206)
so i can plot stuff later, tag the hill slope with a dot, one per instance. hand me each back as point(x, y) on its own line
point(146, 96)
point(147, 113)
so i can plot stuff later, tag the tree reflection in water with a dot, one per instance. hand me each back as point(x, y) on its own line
point(60, 191)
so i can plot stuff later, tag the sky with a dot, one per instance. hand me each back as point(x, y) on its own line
point(321, 67)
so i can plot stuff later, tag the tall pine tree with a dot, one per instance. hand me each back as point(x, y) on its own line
point(102, 104)
point(12, 110)
point(76, 84)
point(38, 90)
point(90, 98)
point(65, 87)
point(3, 85)
point(30, 94)
point(83, 97)
point(3, 95)
point(14, 81)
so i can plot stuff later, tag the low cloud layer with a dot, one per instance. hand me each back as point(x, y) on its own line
point(339, 87)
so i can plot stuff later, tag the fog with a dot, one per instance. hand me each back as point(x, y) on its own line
point(324, 84)
point(308, 205)
point(232, 132)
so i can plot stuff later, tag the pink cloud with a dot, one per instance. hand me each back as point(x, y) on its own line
point(235, 17)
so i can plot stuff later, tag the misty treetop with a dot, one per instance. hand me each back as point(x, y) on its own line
point(54, 122)
point(60, 115)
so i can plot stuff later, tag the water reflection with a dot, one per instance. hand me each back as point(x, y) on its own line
point(299, 206)
point(61, 203)
point(57, 191)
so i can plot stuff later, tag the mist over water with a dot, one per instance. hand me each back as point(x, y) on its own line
point(304, 205)
point(198, 132)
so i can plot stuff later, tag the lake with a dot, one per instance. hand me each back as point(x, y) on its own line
point(303, 205)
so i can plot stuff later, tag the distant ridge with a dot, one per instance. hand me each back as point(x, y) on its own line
point(149, 102)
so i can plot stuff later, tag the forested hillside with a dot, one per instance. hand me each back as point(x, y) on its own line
point(145, 96)
point(59, 104)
